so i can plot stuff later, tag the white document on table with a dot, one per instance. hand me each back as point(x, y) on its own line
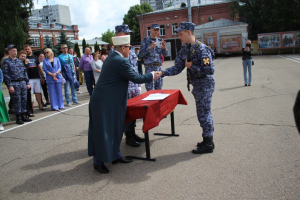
point(156, 96)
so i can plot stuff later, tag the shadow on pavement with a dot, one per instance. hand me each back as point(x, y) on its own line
point(84, 174)
point(225, 89)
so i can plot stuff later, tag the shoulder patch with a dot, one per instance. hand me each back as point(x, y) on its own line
point(206, 61)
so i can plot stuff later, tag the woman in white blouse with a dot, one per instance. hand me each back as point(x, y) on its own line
point(96, 66)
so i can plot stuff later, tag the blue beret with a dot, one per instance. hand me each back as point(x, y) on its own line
point(122, 28)
point(155, 26)
point(185, 25)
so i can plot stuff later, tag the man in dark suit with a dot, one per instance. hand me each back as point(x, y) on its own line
point(108, 103)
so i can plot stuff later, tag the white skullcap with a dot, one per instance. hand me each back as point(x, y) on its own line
point(121, 40)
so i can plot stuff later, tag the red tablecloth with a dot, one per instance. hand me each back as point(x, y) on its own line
point(153, 111)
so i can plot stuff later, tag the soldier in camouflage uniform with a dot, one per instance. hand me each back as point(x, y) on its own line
point(151, 49)
point(134, 90)
point(200, 73)
point(16, 79)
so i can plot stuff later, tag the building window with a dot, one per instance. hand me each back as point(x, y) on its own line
point(174, 27)
point(162, 30)
point(148, 31)
point(35, 41)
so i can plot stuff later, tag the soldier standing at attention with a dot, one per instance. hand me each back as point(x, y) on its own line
point(201, 70)
point(132, 139)
point(16, 79)
point(151, 49)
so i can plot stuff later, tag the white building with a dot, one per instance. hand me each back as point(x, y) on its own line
point(90, 43)
point(54, 13)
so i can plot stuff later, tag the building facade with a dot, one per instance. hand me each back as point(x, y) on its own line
point(54, 13)
point(39, 29)
point(170, 18)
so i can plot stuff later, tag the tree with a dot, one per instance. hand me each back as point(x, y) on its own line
point(96, 46)
point(106, 36)
point(264, 16)
point(132, 21)
point(76, 48)
point(48, 42)
point(14, 25)
point(62, 39)
point(83, 45)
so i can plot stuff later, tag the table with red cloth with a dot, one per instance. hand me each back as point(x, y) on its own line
point(152, 112)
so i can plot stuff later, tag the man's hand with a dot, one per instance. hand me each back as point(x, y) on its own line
point(28, 86)
point(164, 45)
point(156, 75)
point(153, 45)
point(11, 89)
point(77, 68)
point(160, 73)
point(247, 49)
point(26, 61)
point(42, 81)
point(188, 64)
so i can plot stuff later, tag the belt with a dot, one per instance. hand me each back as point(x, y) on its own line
point(19, 80)
point(154, 64)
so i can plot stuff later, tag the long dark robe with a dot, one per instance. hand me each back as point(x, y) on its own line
point(107, 108)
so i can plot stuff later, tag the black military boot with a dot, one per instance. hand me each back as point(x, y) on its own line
point(130, 140)
point(137, 138)
point(19, 119)
point(24, 118)
point(207, 146)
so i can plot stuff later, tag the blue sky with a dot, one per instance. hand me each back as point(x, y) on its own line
point(93, 17)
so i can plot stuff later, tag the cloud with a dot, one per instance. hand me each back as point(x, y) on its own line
point(94, 17)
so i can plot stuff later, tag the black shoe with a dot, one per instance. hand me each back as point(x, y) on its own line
point(42, 109)
point(19, 119)
point(207, 146)
point(137, 138)
point(122, 160)
point(10, 112)
point(48, 103)
point(249, 84)
point(132, 142)
point(44, 105)
point(245, 84)
point(101, 168)
point(24, 118)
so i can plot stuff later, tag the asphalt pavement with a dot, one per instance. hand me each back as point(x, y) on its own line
point(257, 154)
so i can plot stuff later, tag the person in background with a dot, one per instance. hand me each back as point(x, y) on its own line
point(104, 55)
point(65, 58)
point(4, 117)
point(16, 80)
point(10, 104)
point(162, 59)
point(29, 107)
point(247, 62)
point(140, 61)
point(44, 86)
point(96, 66)
point(85, 65)
point(52, 69)
point(35, 72)
point(76, 63)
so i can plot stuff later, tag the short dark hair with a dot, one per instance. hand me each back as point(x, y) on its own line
point(5, 51)
point(41, 53)
point(104, 51)
point(27, 45)
point(63, 44)
point(70, 48)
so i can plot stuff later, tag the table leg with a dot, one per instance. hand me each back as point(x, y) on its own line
point(172, 128)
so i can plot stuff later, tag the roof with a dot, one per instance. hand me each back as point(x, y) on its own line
point(193, 4)
point(219, 23)
point(90, 42)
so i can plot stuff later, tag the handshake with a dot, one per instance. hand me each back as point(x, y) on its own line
point(156, 74)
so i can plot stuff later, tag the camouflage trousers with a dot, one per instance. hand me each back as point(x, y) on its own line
point(154, 85)
point(19, 97)
point(203, 98)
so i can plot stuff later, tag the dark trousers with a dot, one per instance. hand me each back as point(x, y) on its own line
point(45, 91)
point(28, 104)
point(90, 81)
point(140, 68)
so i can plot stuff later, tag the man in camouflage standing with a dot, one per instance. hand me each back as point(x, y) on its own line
point(200, 73)
point(16, 79)
point(134, 90)
point(151, 49)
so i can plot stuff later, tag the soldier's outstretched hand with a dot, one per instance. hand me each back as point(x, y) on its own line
point(188, 64)
point(156, 75)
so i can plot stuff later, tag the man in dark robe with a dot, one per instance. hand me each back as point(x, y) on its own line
point(108, 103)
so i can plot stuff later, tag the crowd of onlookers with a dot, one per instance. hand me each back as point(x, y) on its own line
point(27, 75)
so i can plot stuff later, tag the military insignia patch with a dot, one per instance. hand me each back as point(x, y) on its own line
point(206, 61)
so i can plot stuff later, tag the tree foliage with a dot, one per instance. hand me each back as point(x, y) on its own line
point(48, 42)
point(14, 22)
point(62, 39)
point(132, 21)
point(264, 16)
point(83, 45)
point(76, 48)
point(106, 36)
point(96, 46)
